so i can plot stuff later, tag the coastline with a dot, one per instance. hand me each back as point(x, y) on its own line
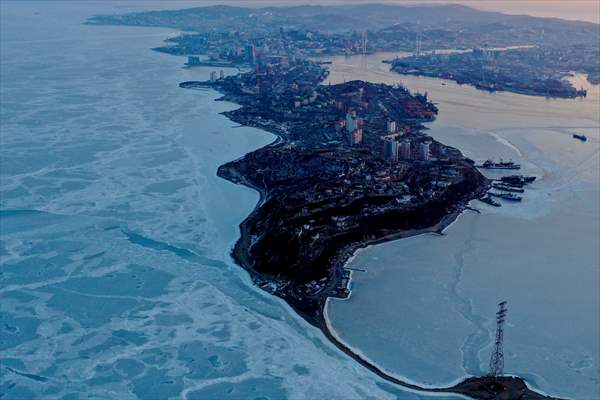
point(241, 258)
point(240, 251)
point(461, 386)
point(163, 158)
point(346, 348)
point(496, 89)
point(325, 324)
point(441, 213)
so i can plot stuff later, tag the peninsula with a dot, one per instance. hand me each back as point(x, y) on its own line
point(352, 164)
point(516, 70)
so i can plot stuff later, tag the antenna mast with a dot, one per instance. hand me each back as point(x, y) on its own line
point(364, 42)
point(418, 43)
point(497, 358)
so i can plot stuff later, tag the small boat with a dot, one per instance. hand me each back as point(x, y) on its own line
point(507, 188)
point(517, 180)
point(490, 201)
point(583, 138)
point(512, 184)
point(507, 196)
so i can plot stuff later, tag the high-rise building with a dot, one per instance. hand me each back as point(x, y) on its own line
point(221, 74)
point(251, 53)
point(424, 151)
point(213, 76)
point(404, 150)
point(390, 149)
point(391, 126)
point(351, 122)
point(355, 137)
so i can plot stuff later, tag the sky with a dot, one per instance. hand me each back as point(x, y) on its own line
point(582, 10)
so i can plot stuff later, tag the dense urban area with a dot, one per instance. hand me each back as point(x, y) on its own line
point(547, 50)
point(531, 71)
point(352, 164)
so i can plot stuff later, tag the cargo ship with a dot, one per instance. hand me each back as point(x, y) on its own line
point(507, 188)
point(517, 180)
point(489, 164)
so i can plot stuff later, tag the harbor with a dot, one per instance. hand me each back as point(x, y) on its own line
point(449, 283)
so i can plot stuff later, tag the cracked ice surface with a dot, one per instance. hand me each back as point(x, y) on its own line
point(116, 278)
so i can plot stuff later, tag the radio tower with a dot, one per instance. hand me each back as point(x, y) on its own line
point(364, 42)
point(418, 44)
point(497, 358)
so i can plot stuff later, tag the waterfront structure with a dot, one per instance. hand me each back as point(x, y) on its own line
point(497, 358)
point(193, 60)
point(391, 126)
point(390, 149)
point(404, 151)
point(424, 151)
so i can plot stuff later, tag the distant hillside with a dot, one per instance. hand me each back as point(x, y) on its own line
point(331, 18)
point(360, 17)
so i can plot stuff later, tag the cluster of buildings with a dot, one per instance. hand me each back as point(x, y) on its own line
point(375, 120)
point(213, 75)
point(343, 169)
point(401, 150)
point(363, 136)
point(537, 70)
point(531, 71)
point(247, 48)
